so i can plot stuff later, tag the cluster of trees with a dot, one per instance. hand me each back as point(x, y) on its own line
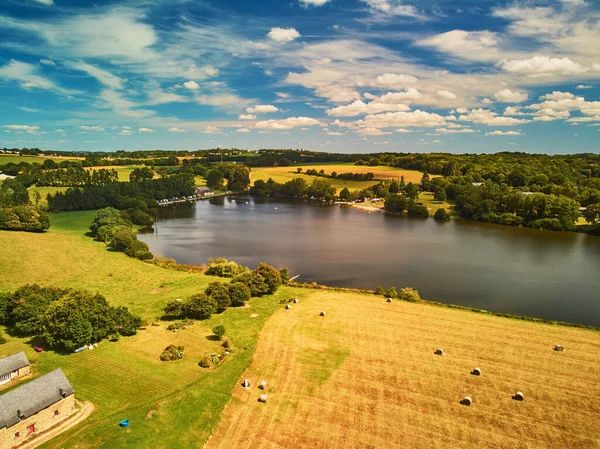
point(71, 177)
point(120, 195)
point(64, 318)
point(122, 158)
point(320, 190)
point(218, 296)
point(334, 175)
point(16, 211)
point(232, 177)
point(115, 229)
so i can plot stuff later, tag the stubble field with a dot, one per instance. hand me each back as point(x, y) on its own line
point(366, 376)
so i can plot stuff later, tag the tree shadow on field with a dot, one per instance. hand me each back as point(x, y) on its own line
point(213, 338)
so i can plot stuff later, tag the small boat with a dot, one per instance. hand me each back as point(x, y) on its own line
point(124, 423)
point(275, 208)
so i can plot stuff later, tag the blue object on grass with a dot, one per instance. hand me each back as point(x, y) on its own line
point(124, 423)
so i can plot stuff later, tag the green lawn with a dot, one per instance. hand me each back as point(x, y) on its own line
point(125, 379)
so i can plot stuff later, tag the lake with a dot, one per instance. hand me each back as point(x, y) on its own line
point(552, 275)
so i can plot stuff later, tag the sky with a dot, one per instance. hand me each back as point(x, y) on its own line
point(461, 76)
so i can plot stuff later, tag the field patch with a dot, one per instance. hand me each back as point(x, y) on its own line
point(390, 390)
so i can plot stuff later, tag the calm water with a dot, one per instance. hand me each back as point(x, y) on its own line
point(552, 275)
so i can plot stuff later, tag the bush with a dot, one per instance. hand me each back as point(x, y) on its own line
point(219, 331)
point(123, 237)
point(441, 214)
point(4, 340)
point(205, 363)
point(254, 282)
point(409, 294)
point(220, 293)
point(175, 308)
point(239, 293)
point(200, 306)
point(285, 276)
point(417, 210)
point(225, 268)
point(172, 353)
point(379, 290)
point(139, 250)
point(226, 344)
point(391, 292)
point(271, 276)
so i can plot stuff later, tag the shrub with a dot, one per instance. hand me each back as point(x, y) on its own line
point(175, 308)
point(239, 293)
point(226, 344)
point(220, 293)
point(205, 363)
point(285, 276)
point(271, 277)
point(172, 353)
point(123, 237)
point(139, 250)
point(441, 214)
point(391, 292)
point(3, 338)
point(200, 306)
point(225, 268)
point(409, 294)
point(219, 331)
point(417, 210)
point(379, 290)
point(255, 283)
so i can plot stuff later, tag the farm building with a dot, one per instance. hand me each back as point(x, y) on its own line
point(203, 191)
point(13, 366)
point(34, 407)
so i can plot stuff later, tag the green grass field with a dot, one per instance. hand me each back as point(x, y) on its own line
point(6, 158)
point(125, 379)
point(284, 174)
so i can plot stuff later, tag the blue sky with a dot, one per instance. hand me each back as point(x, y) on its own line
point(331, 75)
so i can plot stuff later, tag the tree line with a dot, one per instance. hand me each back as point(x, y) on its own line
point(17, 213)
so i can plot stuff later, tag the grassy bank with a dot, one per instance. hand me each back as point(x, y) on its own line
point(125, 379)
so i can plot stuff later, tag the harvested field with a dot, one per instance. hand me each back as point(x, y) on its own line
point(366, 376)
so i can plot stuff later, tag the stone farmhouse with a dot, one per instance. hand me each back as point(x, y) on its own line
point(13, 366)
point(34, 407)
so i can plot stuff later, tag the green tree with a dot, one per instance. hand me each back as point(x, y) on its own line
point(425, 182)
point(394, 187)
point(412, 191)
point(391, 292)
point(215, 179)
point(271, 277)
point(285, 275)
point(441, 214)
point(109, 216)
point(255, 282)
point(239, 294)
point(241, 179)
point(395, 204)
point(345, 194)
point(299, 170)
point(141, 174)
point(122, 239)
point(220, 293)
point(592, 214)
point(139, 250)
point(440, 194)
point(175, 308)
point(2, 338)
point(200, 306)
point(219, 331)
point(409, 294)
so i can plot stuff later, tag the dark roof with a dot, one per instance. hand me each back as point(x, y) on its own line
point(203, 189)
point(13, 362)
point(33, 397)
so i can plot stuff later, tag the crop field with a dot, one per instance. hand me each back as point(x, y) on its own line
point(366, 376)
point(284, 174)
point(6, 158)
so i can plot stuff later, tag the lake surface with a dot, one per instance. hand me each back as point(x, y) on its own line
point(552, 275)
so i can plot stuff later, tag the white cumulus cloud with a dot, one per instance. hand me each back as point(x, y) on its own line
point(313, 2)
point(247, 117)
point(503, 133)
point(542, 66)
point(262, 109)
point(446, 94)
point(283, 34)
point(192, 85)
point(145, 130)
point(508, 96)
point(91, 128)
point(176, 130)
point(288, 123)
point(243, 130)
point(27, 128)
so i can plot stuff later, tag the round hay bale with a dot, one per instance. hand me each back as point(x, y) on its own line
point(263, 385)
point(322, 314)
point(559, 348)
point(466, 400)
point(388, 299)
point(288, 307)
point(263, 398)
point(296, 301)
point(518, 396)
point(439, 351)
point(246, 383)
point(476, 372)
